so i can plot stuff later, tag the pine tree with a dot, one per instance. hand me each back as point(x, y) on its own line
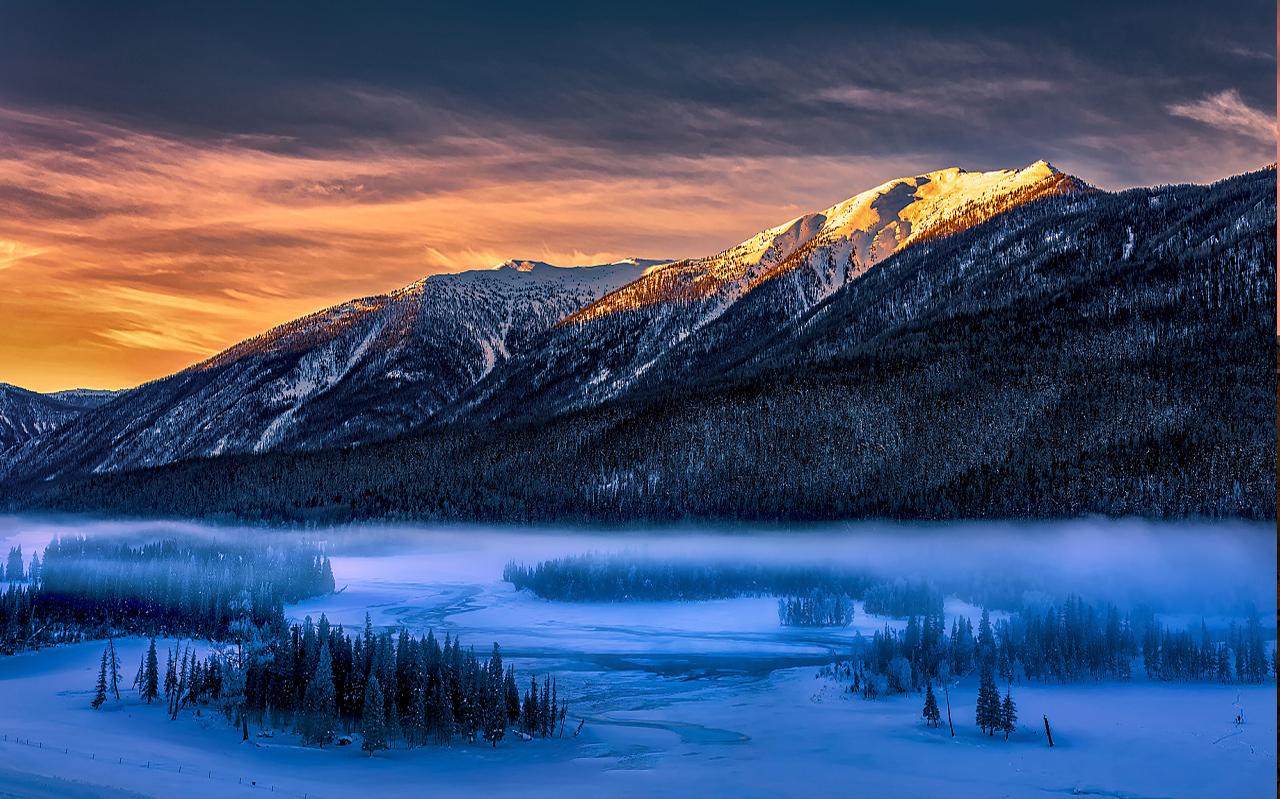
point(327, 584)
point(373, 726)
point(170, 678)
point(512, 694)
point(113, 668)
point(988, 710)
point(151, 675)
point(494, 699)
point(529, 710)
point(418, 718)
point(1008, 715)
point(13, 569)
point(932, 716)
point(319, 720)
point(986, 641)
point(100, 692)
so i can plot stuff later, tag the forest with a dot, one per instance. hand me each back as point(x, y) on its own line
point(1067, 642)
point(1105, 354)
point(91, 588)
point(317, 680)
point(621, 578)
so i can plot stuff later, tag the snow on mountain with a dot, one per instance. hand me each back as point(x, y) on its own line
point(84, 397)
point(617, 341)
point(859, 232)
point(366, 369)
point(522, 338)
point(26, 414)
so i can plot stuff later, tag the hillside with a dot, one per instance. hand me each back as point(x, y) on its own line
point(1083, 353)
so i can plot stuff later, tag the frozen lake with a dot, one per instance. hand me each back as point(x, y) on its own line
point(695, 698)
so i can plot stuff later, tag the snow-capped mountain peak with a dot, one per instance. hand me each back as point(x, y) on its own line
point(855, 234)
point(359, 371)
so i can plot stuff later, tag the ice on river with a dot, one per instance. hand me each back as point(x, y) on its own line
point(689, 699)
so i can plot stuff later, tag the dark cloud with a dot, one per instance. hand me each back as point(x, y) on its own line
point(982, 84)
point(21, 203)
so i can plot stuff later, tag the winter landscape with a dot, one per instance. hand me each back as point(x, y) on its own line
point(669, 697)
point(638, 400)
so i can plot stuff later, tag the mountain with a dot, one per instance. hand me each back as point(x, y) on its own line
point(368, 369)
point(1085, 353)
point(26, 414)
point(641, 333)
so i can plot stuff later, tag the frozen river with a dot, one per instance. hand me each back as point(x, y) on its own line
point(693, 698)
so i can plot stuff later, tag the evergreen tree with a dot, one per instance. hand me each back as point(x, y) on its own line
point(151, 674)
point(327, 584)
point(100, 691)
point(988, 709)
point(373, 727)
point(931, 714)
point(417, 730)
point(113, 667)
point(319, 719)
point(494, 699)
point(170, 678)
point(512, 696)
point(1008, 715)
point(13, 568)
point(986, 642)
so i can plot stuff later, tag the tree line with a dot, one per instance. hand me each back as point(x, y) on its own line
point(323, 683)
point(87, 587)
point(805, 592)
point(1067, 642)
point(595, 577)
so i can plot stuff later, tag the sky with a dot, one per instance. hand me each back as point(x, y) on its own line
point(177, 177)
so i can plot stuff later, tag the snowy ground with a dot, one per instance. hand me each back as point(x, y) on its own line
point(681, 699)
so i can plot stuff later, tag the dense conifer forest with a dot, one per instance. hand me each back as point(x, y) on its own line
point(323, 683)
point(91, 588)
point(1065, 642)
point(619, 578)
point(312, 678)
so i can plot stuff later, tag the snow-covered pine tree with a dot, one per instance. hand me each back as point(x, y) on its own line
point(170, 678)
point(418, 729)
point(100, 691)
point(512, 695)
point(13, 569)
point(988, 710)
point(327, 584)
point(932, 716)
point(529, 710)
point(1008, 715)
point(986, 642)
point(113, 667)
point(318, 722)
point(373, 727)
point(151, 675)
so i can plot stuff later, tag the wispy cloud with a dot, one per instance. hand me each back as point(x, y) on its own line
point(1227, 111)
point(130, 254)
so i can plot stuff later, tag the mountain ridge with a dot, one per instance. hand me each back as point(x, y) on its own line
point(358, 371)
point(1096, 353)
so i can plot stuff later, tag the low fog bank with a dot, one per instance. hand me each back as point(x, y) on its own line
point(1191, 567)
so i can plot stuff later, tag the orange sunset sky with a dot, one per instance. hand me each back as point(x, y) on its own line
point(171, 184)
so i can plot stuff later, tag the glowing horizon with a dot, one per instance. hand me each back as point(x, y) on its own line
point(145, 228)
